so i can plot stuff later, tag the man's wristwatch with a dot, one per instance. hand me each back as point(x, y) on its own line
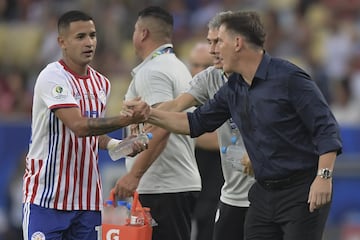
point(325, 173)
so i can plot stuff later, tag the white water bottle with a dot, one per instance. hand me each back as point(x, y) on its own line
point(137, 217)
point(108, 213)
point(123, 212)
point(125, 147)
point(233, 154)
point(116, 215)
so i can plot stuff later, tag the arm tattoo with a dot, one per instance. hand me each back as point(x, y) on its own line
point(99, 126)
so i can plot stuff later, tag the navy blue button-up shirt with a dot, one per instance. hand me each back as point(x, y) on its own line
point(283, 118)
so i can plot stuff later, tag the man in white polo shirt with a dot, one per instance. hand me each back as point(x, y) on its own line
point(167, 181)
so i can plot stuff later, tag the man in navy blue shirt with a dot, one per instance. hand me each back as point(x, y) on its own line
point(289, 131)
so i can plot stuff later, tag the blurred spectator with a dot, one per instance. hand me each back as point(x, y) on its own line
point(338, 47)
point(199, 58)
point(354, 74)
point(202, 14)
point(15, 99)
point(49, 50)
point(14, 195)
point(181, 13)
point(4, 226)
point(344, 106)
point(8, 10)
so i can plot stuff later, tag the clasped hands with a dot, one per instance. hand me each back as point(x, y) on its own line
point(137, 109)
point(130, 109)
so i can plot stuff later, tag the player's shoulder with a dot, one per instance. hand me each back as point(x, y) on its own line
point(52, 71)
point(94, 71)
point(51, 67)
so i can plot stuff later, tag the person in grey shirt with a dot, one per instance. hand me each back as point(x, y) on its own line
point(208, 159)
point(233, 202)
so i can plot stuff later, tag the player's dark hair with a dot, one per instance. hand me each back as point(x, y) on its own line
point(72, 16)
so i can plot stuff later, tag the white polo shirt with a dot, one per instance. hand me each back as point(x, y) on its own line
point(159, 78)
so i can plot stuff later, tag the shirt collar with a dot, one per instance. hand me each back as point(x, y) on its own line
point(149, 57)
point(262, 70)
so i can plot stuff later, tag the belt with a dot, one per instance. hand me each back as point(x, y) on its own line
point(284, 183)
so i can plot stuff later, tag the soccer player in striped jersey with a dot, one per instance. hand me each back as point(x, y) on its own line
point(62, 186)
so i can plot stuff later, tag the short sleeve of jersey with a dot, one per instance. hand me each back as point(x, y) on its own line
point(54, 89)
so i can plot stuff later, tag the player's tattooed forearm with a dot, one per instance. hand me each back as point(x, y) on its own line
point(98, 126)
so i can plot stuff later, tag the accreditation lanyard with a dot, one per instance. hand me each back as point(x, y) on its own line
point(162, 51)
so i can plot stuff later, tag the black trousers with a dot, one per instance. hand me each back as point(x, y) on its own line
point(283, 214)
point(172, 212)
point(229, 222)
point(209, 164)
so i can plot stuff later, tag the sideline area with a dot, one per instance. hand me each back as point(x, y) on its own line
point(343, 221)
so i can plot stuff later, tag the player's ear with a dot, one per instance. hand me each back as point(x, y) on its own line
point(61, 42)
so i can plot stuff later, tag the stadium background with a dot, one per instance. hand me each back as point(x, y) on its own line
point(322, 36)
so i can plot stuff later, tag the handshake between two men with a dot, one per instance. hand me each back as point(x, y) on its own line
point(176, 122)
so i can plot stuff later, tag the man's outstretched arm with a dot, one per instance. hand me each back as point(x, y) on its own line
point(176, 122)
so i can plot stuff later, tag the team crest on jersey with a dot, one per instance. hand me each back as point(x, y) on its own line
point(59, 92)
point(102, 96)
point(38, 236)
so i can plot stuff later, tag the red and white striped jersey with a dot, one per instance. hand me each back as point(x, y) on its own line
point(62, 169)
